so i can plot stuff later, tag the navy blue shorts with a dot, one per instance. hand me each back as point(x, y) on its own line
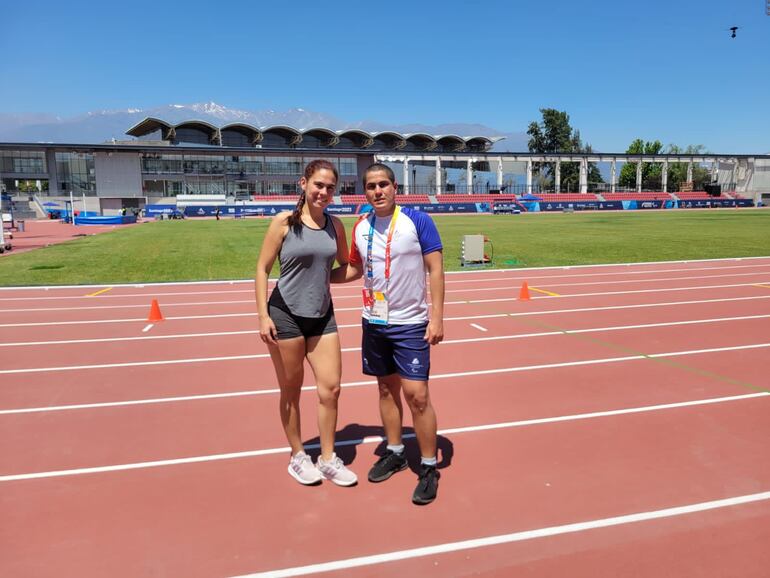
point(402, 349)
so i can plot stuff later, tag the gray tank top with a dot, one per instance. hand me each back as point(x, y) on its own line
point(306, 260)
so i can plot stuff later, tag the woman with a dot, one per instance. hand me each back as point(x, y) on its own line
point(298, 323)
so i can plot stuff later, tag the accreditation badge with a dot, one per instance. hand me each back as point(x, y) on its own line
point(378, 311)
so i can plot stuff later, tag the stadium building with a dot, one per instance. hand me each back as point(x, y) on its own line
point(197, 162)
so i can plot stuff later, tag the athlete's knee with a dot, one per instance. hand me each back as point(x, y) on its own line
point(384, 391)
point(419, 401)
point(328, 394)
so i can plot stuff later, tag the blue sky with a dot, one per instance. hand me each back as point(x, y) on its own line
point(622, 70)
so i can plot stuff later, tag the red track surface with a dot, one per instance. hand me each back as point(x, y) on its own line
point(41, 233)
point(632, 391)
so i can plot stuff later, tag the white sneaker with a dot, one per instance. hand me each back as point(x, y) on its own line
point(335, 471)
point(301, 468)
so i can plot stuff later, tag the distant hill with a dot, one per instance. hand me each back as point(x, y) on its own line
point(104, 125)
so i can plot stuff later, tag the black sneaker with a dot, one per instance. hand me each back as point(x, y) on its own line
point(427, 485)
point(386, 466)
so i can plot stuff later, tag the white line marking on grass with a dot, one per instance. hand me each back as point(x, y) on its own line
point(377, 439)
point(145, 330)
point(479, 327)
point(515, 369)
point(449, 547)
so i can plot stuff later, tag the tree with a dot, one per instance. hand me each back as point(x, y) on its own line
point(677, 172)
point(554, 134)
point(652, 173)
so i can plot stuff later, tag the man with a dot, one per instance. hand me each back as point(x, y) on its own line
point(392, 248)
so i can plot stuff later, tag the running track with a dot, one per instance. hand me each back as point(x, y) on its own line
point(615, 424)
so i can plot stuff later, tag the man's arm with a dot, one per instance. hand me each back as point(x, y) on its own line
point(434, 262)
point(346, 273)
point(352, 268)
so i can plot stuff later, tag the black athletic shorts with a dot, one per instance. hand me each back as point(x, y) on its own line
point(289, 325)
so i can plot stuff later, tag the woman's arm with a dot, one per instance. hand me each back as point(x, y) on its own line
point(271, 245)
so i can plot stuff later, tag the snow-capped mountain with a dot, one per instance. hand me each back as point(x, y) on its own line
point(104, 125)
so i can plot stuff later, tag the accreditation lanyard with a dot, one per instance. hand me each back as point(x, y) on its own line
point(376, 300)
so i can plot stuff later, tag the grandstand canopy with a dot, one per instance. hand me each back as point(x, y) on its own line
point(279, 136)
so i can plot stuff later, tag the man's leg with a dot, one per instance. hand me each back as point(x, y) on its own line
point(391, 408)
point(412, 356)
point(391, 412)
point(423, 415)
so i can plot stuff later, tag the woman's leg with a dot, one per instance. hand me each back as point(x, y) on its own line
point(323, 354)
point(288, 358)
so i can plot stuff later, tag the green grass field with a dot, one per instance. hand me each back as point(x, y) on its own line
point(209, 250)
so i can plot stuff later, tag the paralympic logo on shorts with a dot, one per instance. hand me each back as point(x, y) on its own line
point(415, 365)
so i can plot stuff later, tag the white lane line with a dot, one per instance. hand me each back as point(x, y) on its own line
point(496, 540)
point(459, 273)
point(337, 293)
point(526, 277)
point(132, 306)
point(597, 294)
point(346, 349)
point(378, 439)
point(515, 369)
point(518, 314)
point(358, 324)
point(588, 283)
point(134, 338)
point(479, 327)
point(358, 308)
point(130, 320)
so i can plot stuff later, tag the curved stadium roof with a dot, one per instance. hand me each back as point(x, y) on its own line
point(282, 136)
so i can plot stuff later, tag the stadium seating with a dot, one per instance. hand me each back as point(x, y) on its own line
point(698, 195)
point(458, 198)
point(644, 196)
point(275, 199)
point(566, 197)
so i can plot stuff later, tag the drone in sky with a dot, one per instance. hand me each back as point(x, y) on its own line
point(733, 30)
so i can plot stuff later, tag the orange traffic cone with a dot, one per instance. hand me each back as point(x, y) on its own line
point(155, 314)
point(524, 292)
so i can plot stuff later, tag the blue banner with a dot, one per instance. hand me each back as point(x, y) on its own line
point(153, 210)
point(450, 207)
point(577, 206)
point(716, 203)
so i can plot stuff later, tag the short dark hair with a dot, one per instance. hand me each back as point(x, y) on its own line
point(374, 167)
